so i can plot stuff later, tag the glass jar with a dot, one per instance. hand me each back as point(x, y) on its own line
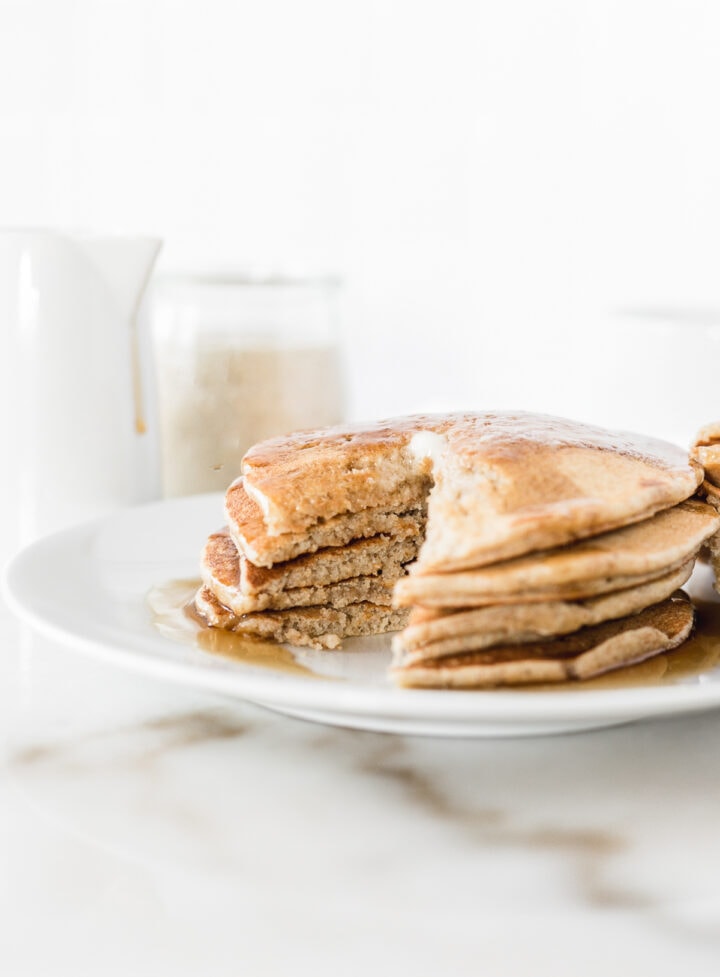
point(240, 359)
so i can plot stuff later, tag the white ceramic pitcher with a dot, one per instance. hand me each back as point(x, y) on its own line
point(73, 436)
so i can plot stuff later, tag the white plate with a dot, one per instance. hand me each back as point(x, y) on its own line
point(87, 588)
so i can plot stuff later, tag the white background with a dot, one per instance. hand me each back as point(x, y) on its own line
point(499, 182)
point(496, 182)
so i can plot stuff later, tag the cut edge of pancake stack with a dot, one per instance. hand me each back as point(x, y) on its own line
point(553, 550)
point(311, 587)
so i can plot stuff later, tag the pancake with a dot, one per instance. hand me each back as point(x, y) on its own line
point(212, 611)
point(580, 655)
point(541, 483)
point(712, 496)
point(247, 528)
point(315, 475)
point(314, 627)
point(617, 560)
point(706, 451)
point(379, 555)
point(322, 627)
point(714, 555)
point(486, 627)
point(464, 598)
point(221, 575)
point(505, 484)
point(711, 493)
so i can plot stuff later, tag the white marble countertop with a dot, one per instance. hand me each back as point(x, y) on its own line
point(145, 829)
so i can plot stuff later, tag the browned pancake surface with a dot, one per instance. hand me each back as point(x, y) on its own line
point(221, 573)
point(706, 451)
point(486, 627)
point(246, 526)
point(584, 654)
point(380, 555)
point(505, 483)
point(613, 561)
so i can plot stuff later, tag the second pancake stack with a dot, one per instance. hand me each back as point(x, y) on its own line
point(706, 451)
point(571, 612)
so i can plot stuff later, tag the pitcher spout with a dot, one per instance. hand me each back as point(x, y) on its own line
point(125, 264)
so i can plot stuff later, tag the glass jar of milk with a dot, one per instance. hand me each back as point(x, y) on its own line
point(240, 359)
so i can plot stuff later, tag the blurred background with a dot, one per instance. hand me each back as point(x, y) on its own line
point(521, 198)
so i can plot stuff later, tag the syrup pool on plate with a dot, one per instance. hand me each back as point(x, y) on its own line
point(174, 617)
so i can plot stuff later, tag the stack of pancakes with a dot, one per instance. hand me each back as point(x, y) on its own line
point(310, 586)
point(564, 613)
point(706, 452)
point(322, 525)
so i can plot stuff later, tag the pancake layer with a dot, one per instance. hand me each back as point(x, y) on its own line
point(584, 654)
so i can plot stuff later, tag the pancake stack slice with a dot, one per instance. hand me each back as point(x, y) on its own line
point(515, 525)
point(319, 528)
point(310, 587)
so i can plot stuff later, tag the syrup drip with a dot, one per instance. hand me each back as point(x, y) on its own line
point(136, 358)
point(137, 386)
point(175, 617)
point(699, 654)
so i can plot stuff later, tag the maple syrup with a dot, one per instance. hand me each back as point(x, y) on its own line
point(137, 384)
point(175, 617)
point(699, 654)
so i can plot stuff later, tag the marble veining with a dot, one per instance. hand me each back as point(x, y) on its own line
point(149, 829)
point(585, 849)
point(165, 733)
